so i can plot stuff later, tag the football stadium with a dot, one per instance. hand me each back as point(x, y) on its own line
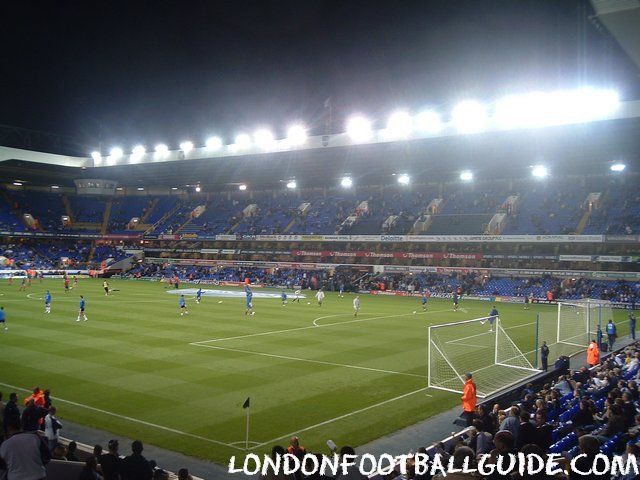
point(457, 277)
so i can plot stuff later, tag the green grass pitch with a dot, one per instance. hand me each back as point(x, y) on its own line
point(133, 368)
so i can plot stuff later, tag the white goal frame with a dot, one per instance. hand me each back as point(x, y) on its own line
point(498, 337)
point(588, 329)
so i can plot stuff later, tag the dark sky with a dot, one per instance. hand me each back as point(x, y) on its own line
point(130, 72)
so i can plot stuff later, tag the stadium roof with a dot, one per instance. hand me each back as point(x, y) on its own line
point(622, 19)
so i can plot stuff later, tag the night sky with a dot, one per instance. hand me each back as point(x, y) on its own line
point(130, 72)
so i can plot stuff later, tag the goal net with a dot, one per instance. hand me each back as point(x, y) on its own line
point(475, 346)
point(569, 330)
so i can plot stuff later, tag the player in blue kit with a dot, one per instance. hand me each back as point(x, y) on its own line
point(283, 297)
point(47, 302)
point(183, 306)
point(81, 308)
point(248, 300)
point(423, 301)
point(199, 295)
point(3, 319)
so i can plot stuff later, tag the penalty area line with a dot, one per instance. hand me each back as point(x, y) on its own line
point(309, 360)
point(131, 419)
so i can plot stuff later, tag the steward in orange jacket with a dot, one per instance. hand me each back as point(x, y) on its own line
point(469, 398)
point(593, 354)
point(37, 396)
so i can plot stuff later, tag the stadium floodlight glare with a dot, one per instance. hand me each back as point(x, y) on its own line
point(469, 116)
point(429, 122)
point(242, 187)
point(617, 167)
point(174, 188)
point(539, 171)
point(138, 151)
point(17, 184)
point(243, 141)
point(404, 179)
point(346, 182)
point(97, 158)
point(140, 189)
point(359, 129)
point(214, 143)
point(161, 151)
point(466, 176)
point(264, 139)
point(55, 187)
point(296, 135)
point(186, 147)
point(399, 125)
point(291, 184)
point(198, 189)
point(116, 153)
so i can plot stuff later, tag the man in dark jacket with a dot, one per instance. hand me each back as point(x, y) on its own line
point(111, 462)
point(10, 410)
point(31, 416)
point(135, 466)
point(526, 433)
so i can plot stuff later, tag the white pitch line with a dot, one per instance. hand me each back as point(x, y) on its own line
point(307, 327)
point(131, 419)
point(309, 360)
point(346, 415)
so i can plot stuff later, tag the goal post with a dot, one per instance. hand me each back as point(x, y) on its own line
point(477, 346)
point(571, 327)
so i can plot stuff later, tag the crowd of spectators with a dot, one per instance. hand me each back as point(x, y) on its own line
point(30, 439)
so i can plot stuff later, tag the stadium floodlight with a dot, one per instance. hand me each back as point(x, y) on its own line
point(243, 141)
point(296, 135)
point(17, 184)
point(264, 139)
point(198, 189)
point(214, 143)
point(291, 184)
point(55, 187)
point(359, 129)
point(161, 150)
point(186, 147)
point(174, 188)
point(469, 116)
point(346, 182)
point(539, 171)
point(399, 125)
point(404, 179)
point(140, 189)
point(97, 158)
point(242, 187)
point(466, 175)
point(115, 154)
point(137, 153)
point(429, 122)
point(617, 167)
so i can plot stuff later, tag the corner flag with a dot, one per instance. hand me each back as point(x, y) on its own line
point(246, 403)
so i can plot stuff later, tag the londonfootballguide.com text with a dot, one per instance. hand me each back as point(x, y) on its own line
point(385, 464)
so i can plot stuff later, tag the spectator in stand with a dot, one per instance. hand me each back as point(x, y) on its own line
point(295, 448)
point(31, 416)
point(90, 470)
point(135, 466)
point(183, 474)
point(97, 451)
point(469, 398)
point(488, 424)
point(72, 448)
point(52, 428)
point(526, 432)
point(512, 423)
point(589, 447)
point(23, 454)
point(481, 441)
point(110, 462)
point(59, 452)
point(277, 452)
point(584, 417)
